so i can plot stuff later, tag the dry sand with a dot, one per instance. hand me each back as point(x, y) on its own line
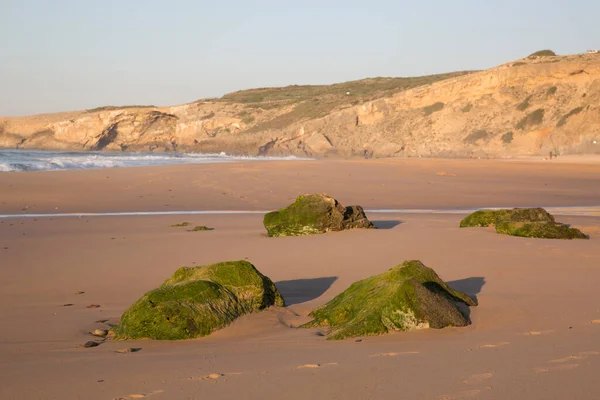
point(532, 335)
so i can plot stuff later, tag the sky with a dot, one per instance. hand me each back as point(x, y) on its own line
point(61, 55)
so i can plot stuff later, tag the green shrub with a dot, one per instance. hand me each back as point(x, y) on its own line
point(112, 108)
point(507, 137)
point(435, 107)
point(542, 53)
point(533, 118)
point(525, 104)
point(564, 118)
point(551, 91)
point(467, 108)
point(476, 135)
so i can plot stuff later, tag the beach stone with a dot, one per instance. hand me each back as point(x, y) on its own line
point(128, 350)
point(196, 301)
point(407, 297)
point(91, 343)
point(523, 222)
point(99, 332)
point(313, 214)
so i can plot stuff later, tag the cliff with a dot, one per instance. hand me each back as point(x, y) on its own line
point(527, 107)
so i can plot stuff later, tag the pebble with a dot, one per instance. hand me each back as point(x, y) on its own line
point(94, 306)
point(90, 343)
point(213, 376)
point(99, 332)
point(128, 350)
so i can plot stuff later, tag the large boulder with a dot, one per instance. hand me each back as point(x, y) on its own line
point(315, 213)
point(524, 222)
point(407, 297)
point(196, 301)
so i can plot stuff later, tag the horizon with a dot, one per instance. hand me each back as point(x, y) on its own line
point(68, 56)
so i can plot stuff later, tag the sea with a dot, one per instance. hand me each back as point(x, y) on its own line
point(41, 160)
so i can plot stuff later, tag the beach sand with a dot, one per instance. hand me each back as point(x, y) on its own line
point(534, 334)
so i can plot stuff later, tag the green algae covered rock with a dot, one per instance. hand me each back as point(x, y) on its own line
point(406, 297)
point(313, 214)
point(524, 222)
point(196, 301)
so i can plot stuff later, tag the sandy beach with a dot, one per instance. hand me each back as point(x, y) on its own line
point(534, 334)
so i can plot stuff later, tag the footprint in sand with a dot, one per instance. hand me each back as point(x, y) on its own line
point(569, 358)
point(538, 333)
point(489, 346)
point(214, 376)
point(393, 354)
point(580, 356)
point(139, 395)
point(562, 367)
point(315, 365)
point(460, 395)
point(478, 378)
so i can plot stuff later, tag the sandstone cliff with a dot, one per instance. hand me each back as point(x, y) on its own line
point(527, 107)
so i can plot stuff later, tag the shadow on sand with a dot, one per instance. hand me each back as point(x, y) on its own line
point(388, 224)
point(472, 287)
point(300, 290)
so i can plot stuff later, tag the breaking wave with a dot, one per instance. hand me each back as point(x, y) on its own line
point(36, 160)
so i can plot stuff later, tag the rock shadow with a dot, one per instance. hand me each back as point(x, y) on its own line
point(387, 224)
point(301, 290)
point(470, 286)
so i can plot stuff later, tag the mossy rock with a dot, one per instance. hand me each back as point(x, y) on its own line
point(196, 301)
point(407, 297)
point(524, 222)
point(200, 228)
point(542, 230)
point(313, 214)
point(484, 218)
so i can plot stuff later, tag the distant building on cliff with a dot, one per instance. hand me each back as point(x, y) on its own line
point(593, 51)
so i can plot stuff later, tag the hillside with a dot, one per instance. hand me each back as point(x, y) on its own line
point(526, 107)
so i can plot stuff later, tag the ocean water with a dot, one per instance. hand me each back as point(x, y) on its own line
point(37, 160)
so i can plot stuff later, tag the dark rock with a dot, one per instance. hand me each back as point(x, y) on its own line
point(407, 297)
point(314, 214)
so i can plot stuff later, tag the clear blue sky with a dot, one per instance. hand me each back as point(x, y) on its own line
point(58, 55)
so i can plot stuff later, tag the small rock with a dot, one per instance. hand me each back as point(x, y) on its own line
point(94, 306)
point(91, 343)
point(101, 321)
point(79, 292)
point(99, 332)
point(213, 376)
point(67, 305)
point(128, 350)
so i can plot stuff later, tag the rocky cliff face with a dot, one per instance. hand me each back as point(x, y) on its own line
point(527, 107)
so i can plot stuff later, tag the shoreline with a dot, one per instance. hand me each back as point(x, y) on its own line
point(584, 211)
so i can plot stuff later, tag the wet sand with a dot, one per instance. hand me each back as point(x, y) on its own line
point(532, 335)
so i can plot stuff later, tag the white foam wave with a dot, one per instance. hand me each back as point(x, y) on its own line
point(26, 160)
